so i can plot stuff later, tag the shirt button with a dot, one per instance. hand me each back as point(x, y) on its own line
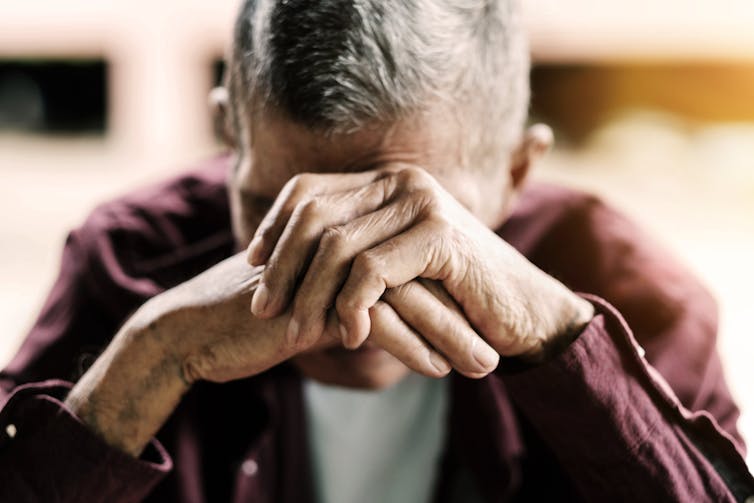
point(11, 430)
point(250, 468)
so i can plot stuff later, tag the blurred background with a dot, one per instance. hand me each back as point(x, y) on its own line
point(652, 104)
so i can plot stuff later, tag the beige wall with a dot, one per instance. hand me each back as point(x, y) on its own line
point(160, 51)
point(160, 55)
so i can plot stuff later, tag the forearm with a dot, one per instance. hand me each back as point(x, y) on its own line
point(132, 388)
point(611, 423)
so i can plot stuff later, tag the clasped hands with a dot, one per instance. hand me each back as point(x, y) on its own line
point(386, 255)
point(390, 256)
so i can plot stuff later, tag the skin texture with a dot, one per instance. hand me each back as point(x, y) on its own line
point(288, 161)
point(381, 236)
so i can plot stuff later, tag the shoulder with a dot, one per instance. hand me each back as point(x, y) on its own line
point(159, 235)
point(592, 247)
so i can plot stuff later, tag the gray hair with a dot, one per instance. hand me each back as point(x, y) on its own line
point(340, 65)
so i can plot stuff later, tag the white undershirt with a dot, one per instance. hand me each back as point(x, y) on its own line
point(376, 446)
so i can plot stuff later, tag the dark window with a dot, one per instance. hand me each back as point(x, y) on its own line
point(53, 96)
point(218, 69)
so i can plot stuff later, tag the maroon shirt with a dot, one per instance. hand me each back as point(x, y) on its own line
point(595, 423)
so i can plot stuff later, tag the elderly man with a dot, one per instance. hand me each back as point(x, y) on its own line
point(402, 325)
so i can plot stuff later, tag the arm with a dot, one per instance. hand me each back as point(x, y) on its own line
point(95, 444)
point(594, 401)
point(593, 248)
point(52, 453)
point(618, 430)
point(60, 449)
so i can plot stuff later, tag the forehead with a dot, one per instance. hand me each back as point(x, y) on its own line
point(278, 149)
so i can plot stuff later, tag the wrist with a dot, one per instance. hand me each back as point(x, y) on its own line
point(563, 318)
point(577, 315)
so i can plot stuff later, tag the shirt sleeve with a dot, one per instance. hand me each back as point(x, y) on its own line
point(617, 428)
point(47, 454)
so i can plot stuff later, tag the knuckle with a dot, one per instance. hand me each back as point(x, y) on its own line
point(345, 305)
point(459, 339)
point(273, 276)
point(334, 240)
point(309, 211)
point(466, 349)
point(426, 198)
point(413, 177)
point(270, 273)
point(414, 360)
point(390, 169)
point(291, 191)
point(264, 231)
point(418, 358)
point(300, 182)
point(366, 264)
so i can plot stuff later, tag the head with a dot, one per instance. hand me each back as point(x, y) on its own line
point(348, 85)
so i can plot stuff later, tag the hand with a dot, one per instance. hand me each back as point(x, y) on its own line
point(201, 329)
point(213, 334)
point(350, 243)
point(418, 311)
point(217, 339)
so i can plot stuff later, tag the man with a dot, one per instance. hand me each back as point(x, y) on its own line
point(345, 325)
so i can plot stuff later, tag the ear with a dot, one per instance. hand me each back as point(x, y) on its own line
point(535, 143)
point(221, 121)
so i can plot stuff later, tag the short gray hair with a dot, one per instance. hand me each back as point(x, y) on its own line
point(340, 65)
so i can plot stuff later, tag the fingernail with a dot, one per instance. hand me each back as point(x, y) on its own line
point(292, 333)
point(485, 356)
point(259, 301)
point(438, 362)
point(254, 250)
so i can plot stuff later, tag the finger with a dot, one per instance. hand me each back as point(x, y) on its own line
point(421, 251)
point(331, 335)
point(442, 324)
point(300, 238)
point(331, 262)
point(394, 336)
point(299, 189)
